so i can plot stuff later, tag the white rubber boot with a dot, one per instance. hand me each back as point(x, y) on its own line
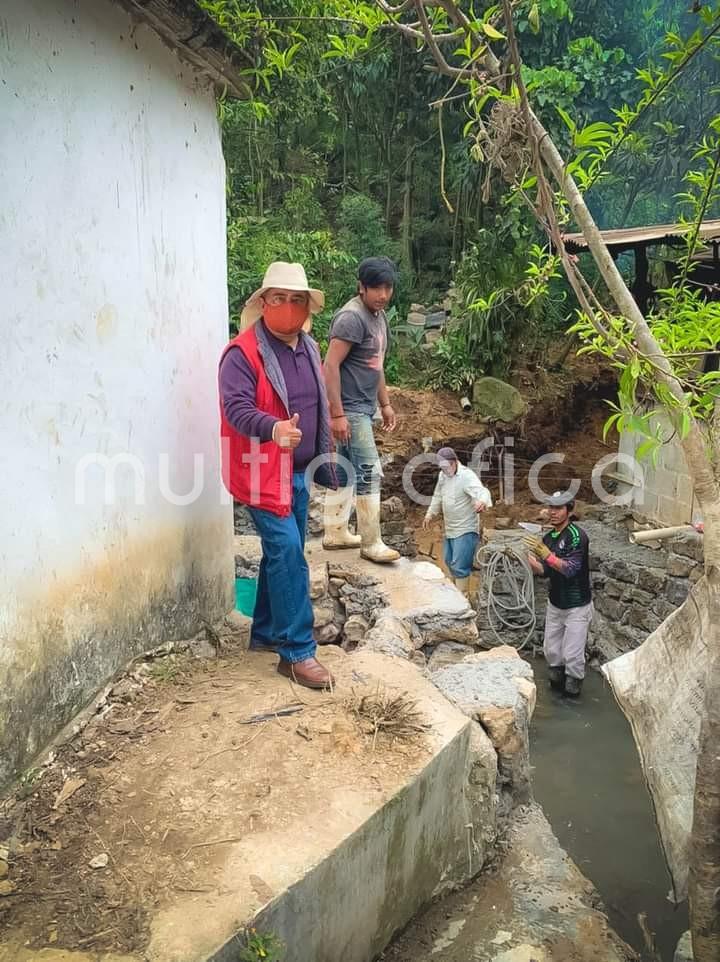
point(368, 520)
point(462, 584)
point(338, 505)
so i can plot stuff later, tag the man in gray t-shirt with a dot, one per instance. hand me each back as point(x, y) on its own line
point(355, 383)
point(362, 368)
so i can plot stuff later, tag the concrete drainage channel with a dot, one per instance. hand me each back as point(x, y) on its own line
point(386, 827)
point(585, 763)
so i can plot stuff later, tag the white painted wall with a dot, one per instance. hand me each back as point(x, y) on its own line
point(113, 314)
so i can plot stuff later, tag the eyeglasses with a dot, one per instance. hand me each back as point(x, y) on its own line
point(276, 299)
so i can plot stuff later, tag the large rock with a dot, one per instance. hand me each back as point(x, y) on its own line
point(319, 582)
point(355, 629)
point(447, 653)
point(390, 636)
point(327, 635)
point(496, 688)
point(684, 950)
point(498, 401)
point(435, 627)
point(324, 613)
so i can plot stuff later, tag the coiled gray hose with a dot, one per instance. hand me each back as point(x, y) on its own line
point(511, 612)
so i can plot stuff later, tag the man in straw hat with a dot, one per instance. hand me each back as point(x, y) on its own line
point(275, 422)
point(356, 386)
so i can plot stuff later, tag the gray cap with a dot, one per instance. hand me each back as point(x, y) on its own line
point(560, 499)
point(446, 454)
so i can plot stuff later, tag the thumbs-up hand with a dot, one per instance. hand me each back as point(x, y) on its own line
point(287, 434)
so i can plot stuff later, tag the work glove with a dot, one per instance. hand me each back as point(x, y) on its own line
point(537, 547)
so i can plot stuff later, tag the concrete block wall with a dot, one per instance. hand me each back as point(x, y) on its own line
point(665, 494)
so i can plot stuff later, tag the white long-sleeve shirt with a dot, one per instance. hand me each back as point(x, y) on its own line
point(457, 497)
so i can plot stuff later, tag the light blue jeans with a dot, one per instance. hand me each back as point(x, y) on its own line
point(459, 553)
point(362, 454)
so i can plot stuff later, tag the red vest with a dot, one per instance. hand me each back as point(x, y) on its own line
point(257, 474)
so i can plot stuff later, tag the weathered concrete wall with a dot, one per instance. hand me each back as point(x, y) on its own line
point(432, 836)
point(663, 491)
point(115, 535)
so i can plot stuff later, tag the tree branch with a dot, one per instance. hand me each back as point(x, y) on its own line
point(433, 46)
point(692, 244)
point(669, 80)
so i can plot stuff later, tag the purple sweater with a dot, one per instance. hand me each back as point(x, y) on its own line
point(238, 388)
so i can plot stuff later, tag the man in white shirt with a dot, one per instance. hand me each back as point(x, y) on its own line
point(461, 497)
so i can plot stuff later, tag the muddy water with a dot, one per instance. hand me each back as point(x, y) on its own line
point(587, 777)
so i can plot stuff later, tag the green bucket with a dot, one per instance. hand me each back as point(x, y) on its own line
point(245, 592)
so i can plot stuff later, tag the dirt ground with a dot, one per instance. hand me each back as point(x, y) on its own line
point(141, 807)
point(133, 810)
point(566, 415)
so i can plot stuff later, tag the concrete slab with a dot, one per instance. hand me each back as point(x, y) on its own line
point(412, 587)
point(305, 825)
point(535, 905)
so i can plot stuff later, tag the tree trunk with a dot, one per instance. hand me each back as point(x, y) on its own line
point(705, 847)
point(704, 880)
point(406, 233)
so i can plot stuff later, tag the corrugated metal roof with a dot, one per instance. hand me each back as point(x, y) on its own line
point(197, 38)
point(621, 239)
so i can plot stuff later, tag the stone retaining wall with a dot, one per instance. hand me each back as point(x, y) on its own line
point(636, 587)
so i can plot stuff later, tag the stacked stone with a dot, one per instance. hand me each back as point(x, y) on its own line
point(635, 588)
point(345, 603)
point(247, 555)
point(496, 688)
point(396, 532)
point(243, 522)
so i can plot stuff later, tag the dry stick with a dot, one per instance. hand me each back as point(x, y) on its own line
point(107, 851)
point(231, 748)
point(217, 841)
point(97, 935)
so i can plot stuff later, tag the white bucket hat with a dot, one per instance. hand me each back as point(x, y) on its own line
point(286, 277)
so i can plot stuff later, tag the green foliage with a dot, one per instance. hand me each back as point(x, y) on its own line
point(686, 327)
point(337, 157)
point(261, 947)
point(361, 228)
point(509, 296)
point(452, 365)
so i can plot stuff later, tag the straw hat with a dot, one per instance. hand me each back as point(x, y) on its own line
point(287, 277)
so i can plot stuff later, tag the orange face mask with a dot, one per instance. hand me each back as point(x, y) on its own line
point(287, 318)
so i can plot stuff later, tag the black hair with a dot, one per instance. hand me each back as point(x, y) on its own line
point(376, 271)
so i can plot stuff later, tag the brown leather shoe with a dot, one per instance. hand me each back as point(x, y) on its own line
point(309, 673)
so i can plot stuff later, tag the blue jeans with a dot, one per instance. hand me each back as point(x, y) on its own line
point(283, 615)
point(459, 553)
point(362, 454)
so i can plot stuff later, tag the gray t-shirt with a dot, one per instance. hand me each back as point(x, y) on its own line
point(360, 371)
